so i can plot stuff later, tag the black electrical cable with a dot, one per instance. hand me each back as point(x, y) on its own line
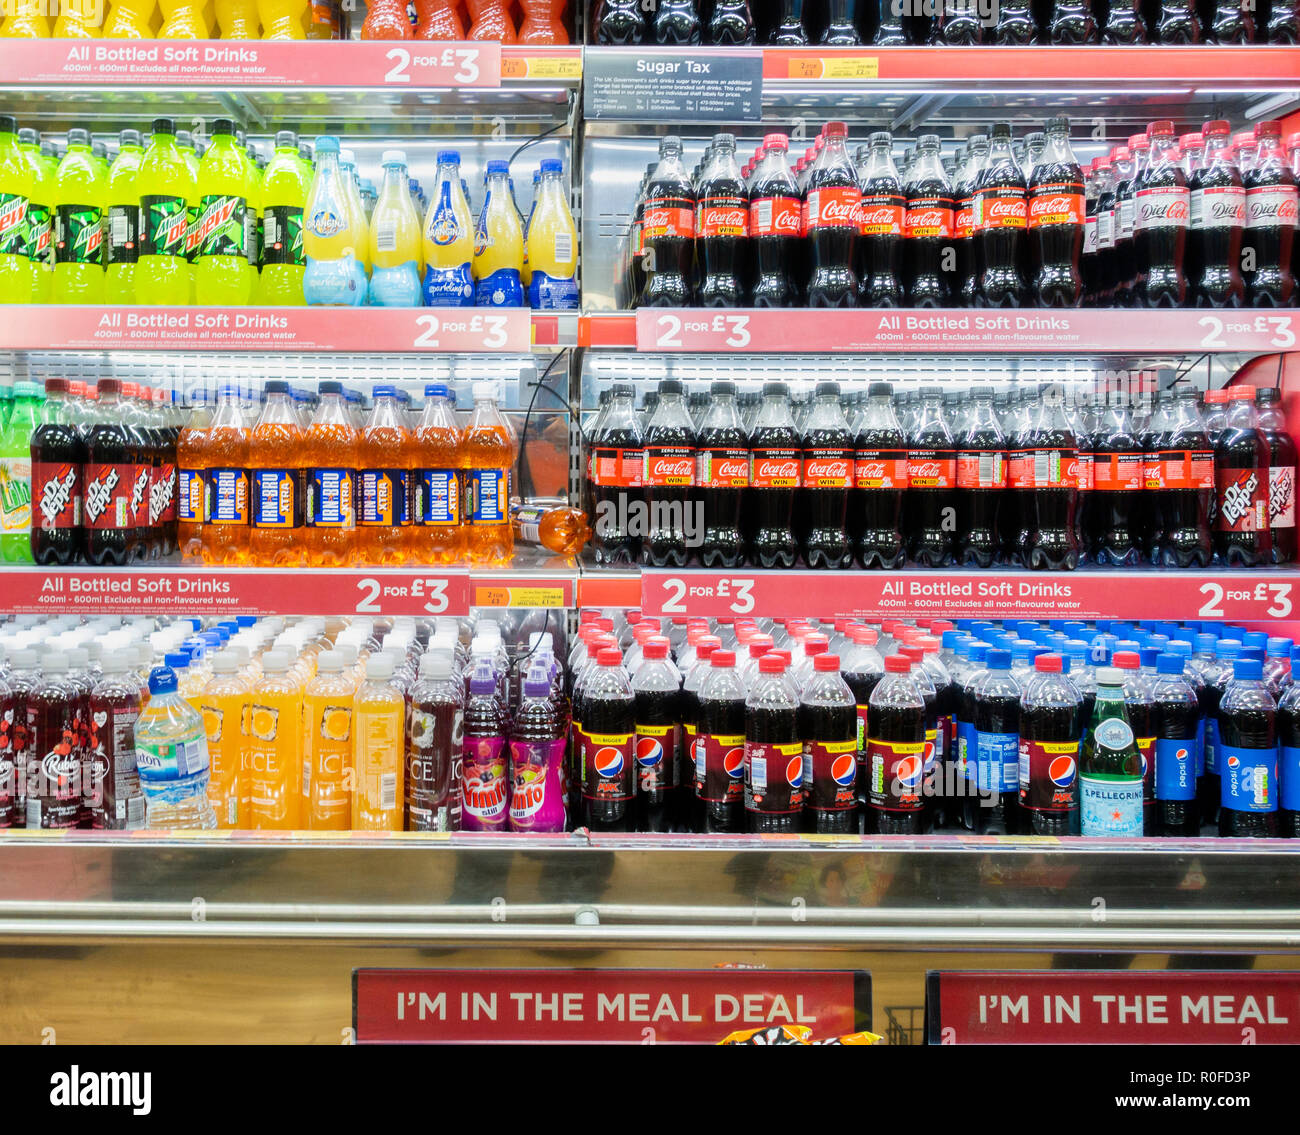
point(535, 139)
point(524, 478)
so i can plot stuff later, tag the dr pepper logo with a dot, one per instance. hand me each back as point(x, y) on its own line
point(1237, 499)
point(58, 496)
point(99, 493)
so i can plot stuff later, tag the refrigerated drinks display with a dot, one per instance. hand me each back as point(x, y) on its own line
point(475, 476)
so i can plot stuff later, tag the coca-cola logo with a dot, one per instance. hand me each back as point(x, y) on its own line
point(925, 469)
point(669, 467)
point(826, 469)
point(871, 470)
point(1238, 497)
point(1173, 211)
point(774, 469)
point(723, 219)
point(1279, 208)
point(1059, 203)
point(1003, 208)
point(838, 211)
point(928, 218)
point(730, 469)
point(882, 215)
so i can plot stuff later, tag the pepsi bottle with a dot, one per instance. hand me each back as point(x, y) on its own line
point(895, 757)
point(773, 752)
point(720, 748)
point(996, 721)
point(606, 747)
point(1051, 732)
point(1248, 750)
point(657, 710)
point(1288, 766)
point(828, 725)
point(1178, 740)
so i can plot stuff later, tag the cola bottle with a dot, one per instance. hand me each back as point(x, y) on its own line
point(58, 455)
point(981, 481)
point(675, 22)
point(1015, 23)
point(606, 746)
point(1270, 223)
point(1248, 754)
point(828, 726)
point(958, 23)
point(1231, 22)
point(1052, 454)
point(668, 227)
point(1177, 23)
point(730, 23)
point(1288, 766)
point(722, 227)
point(1241, 465)
point(1178, 741)
point(632, 276)
point(931, 477)
point(1104, 264)
point(1115, 526)
point(774, 752)
point(774, 481)
point(831, 204)
point(722, 477)
point(1283, 23)
point(719, 747)
point(775, 225)
point(862, 670)
point(109, 477)
point(657, 712)
point(614, 474)
point(1051, 732)
point(927, 228)
point(1160, 223)
point(1217, 204)
point(1055, 221)
point(1185, 487)
point(966, 277)
point(995, 704)
point(1124, 23)
point(828, 464)
point(1126, 160)
point(1017, 516)
point(1001, 211)
point(880, 480)
point(895, 756)
point(1281, 474)
point(1072, 22)
point(789, 29)
point(1089, 261)
point(880, 236)
point(889, 24)
point(668, 477)
point(619, 22)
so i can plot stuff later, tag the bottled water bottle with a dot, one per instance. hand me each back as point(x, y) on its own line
point(172, 758)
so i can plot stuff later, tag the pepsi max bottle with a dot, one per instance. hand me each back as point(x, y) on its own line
point(1051, 731)
point(774, 752)
point(1247, 754)
point(996, 699)
point(1178, 741)
point(657, 710)
point(606, 747)
point(828, 724)
point(895, 764)
point(720, 748)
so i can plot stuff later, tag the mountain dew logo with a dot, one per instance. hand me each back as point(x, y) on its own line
point(13, 227)
point(165, 223)
point(219, 230)
point(40, 232)
point(79, 235)
point(282, 235)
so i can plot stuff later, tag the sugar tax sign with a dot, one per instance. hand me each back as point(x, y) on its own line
point(704, 86)
point(1113, 1007)
point(578, 1006)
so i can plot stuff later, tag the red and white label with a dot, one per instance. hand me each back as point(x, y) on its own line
point(1183, 469)
point(107, 495)
point(881, 214)
point(928, 217)
point(880, 469)
point(828, 469)
point(1118, 472)
point(616, 468)
point(667, 216)
point(1052, 468)
point(668, 466)
point(982, 469)
point(931, 469)
point(963, 221)
point(775, 216)
point(1270, 205)
point(776, 469)
point(835, 205)
point(56, 495)
point(1001, 207)
point(1242, 500)
point(1281, 496)
point(1061, 203)
point(722, 216)
point(1162, 207)
point(1218, 207)
point(722, 468)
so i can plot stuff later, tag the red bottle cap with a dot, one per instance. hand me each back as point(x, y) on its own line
point(655, 648)
point(1241, 394)
point(784, 655)
point(1160, 126)
point(929, 644)
point(938, 626)
point(1217, 126)
point(609, 657)
point(1125, 660)
point(1270, 129)
point(722, 658)
point(771, 664)
point(816, 644)
point(898, 664)
point(1216, 396)
point(826, 663)
point(704, 650)
point(770, 140)
point(912, 653)
point(760, 645)
point(1048, 664)
point(863, 634)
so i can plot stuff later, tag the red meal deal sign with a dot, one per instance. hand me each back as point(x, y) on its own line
point(263, 329)
point(595, 1006)
point(973, 594)
point(264, 63)
point(1113, 1007)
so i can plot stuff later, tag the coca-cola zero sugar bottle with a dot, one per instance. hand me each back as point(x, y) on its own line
point(880, 239)
point(775, 477)
point(1001, 212)
point(880, 480)
point(668, 230)
point(775, 225)
point(669, 474)
point(927, 228)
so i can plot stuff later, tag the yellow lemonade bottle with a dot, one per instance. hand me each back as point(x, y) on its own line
point(327, 738)
point(123, 228)
point(552, 244)
point(237, 19)
point(79, 195)
point(498, 243)
point(448, 239)
point(225, 222)
point(131, 19)
point(275, 748)
point(356, 206)
point(378, 753)
point(165, 187)
point(285, 185)
point(40, 215)
point(395, 240)
point(334, 245)
point(224, 705)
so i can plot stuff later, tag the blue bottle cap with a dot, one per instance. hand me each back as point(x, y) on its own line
point(979, 652)
point(1278, 647)
point(1205, 643)
point(1248, 669)
point(1255, 639)
point(448, 157)
point(998, 659)
point(383, 390)
point(1158, 640)
point(1149, 655)
point(1226, 648)
point(1180, 648)
point(950, 639)
point(1251, 652)
point(552, 165)
point(1183, 634)
point(498, 168)
point(246, 620)
point(162, 680)
point(436, 390)
point(177, 659)
point(1074, 627)
point(1236, 634)
point(327, 144)
point(1169, 664)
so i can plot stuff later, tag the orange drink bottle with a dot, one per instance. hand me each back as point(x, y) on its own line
point(386, 19)
point(543, 22)
point(490, 19)
point(327, 745)
point(223, 458)
point(275, 747)
point(224, 705)
point(190, 493)
point(276, 466)
point(489, 456)
point(385, 459)
point(438, 19)
point(438, 524)
point(331, 453)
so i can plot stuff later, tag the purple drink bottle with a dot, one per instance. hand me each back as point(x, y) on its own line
point(483, 778)
point(537, 796)
point(434, 744)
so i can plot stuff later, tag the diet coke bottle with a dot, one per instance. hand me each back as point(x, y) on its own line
point(1270, 223)
point(1218, 217)
point(1160, 223)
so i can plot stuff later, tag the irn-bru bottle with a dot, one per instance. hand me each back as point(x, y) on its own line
point(331, 453)
point(490, 20)
point(396, 269)
point(498, 243)
point(226, 222)
point(40, 215)
point(224, 704)
point(275, 747)
point(386, 19)
point(283, 19)
point(190, 491)
point(543, 22)
point(438, 533)
point(448, 239)
point(552, 244)
point(222, 458)
point(385, 459)
point(328, 730)
point(17, 272)
point(78, 224)
point(438, 20)
point(277, 469)
point(183, 19)
point(122, 232)
point(165, 187)
point(335, 275)
point(488, 455)
point(379, 761)
point(25, 19)
point(79, 19)
point(285, 185)
point(131, 19)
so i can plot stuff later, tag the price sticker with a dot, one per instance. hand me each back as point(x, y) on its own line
point(563, 68)
point(851, 67)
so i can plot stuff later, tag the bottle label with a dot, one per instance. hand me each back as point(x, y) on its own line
point(880, 469)
point(774, 781)
point(40, 233)
point(1020, 470)
point(607, 766)
point(830, 772)
point(1105, 229)
point(1161, 207)
point(227, 496)
point(53, 775)
point(537, 798)
point(1218, 207)
point(997, 757)
point(882, 214)
point(15, 495)
point(448, 287)
point(929, 217)
point(329, 498)
point(668, 217)
point(656, 757)
point(1281, 496)
point(162, 494)
point(78, 235)
point(277, 499)
point(1049, 775)
point(501, 288)
point(552, 293)
point(14, 239)
point(667, 465)
point(484, 785)
point(221, 229)
point(171, 760)
point(833, 206)
point(141, 482)
point(1117, 472)
point(108, 495)
point(1146, 747)
point(895, 772)
point(437, 498)
point(1248, 779)
point(1288, 775)
point(983, 469)
point(1242, 500)
point(164, 224)
point(775, 216)
point(1091, 237)
point(963, 220)
point(1056, 203)
point(828, 468)
point(775, 469)
point(56, 495)
point(1211, 745)
point(282, 235)
point(931, 468)
point(485, 496)
point(617, 468)
point(1184, 469)
point(1001, 207)
point(719, 768)
point(112, 741)
point(1127, 211)
point(383, 498)
point(723, 215)
point(1270, 206)
point(1110, 807)
point(1053, 469)
point(1176, 768)
point(967, 765)
point(722, 468)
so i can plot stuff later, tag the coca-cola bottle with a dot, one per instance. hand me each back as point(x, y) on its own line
point(841, 28)
point(1118, 464)
point(958, 22)
point(789, 29)
point(1178, 22)
point(1231, 22)
point(1217, 207)
point(777, 458)
point(1241, 465)
point(1056, 221)
point(1125, 161)
point(722, 477)
point(981, 481)
point(1015, 23)
point(722, 226)
point(731, 23)
point(1124, 23)
point(966, 277)
point(831, 205)
point(1160, 223)
point(774, 225)
point(931, 478)
point(1053, 455)
point(880, 238)
point(1072, 22)
point(927, 228)
point(879, 482)
point(668, 229)
point(615, 467)
point(1270, 223)
point(668, 478)
point(889, 24)
point(619, 22)
point(828, 461)
point(1185, 492)
point(1018, 507)
point(1001, 212)
point(675, 21)
point(1281, 473)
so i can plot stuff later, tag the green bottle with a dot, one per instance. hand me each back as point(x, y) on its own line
point(16, 474)
point(1110, 765)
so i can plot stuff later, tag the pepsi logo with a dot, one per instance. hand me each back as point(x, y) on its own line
point(844, 769)
point(733, 763)
point(1234, 762)
point(794, 771)
point(928, 756)
point(1061, 771)
point(608, 762)
point(1143, 758)
point(1181, 755)
point(649, 752)
point(909, 771)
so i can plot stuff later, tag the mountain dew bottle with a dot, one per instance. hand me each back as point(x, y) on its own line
point(284, 196)
point(164, 185)
point(40, 214)
point(225, 222)
point(79, 224)
point(254, 251)
point(122, 247)
point(17, 272)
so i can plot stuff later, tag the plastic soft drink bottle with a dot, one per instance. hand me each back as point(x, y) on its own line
point(25, 19)
point(606, 746)
point(224, 705)
point(277, 463)
point(40, 216)
point(439, 20)
point(895, 751)
point(386, 19)
point(165, 187)
point(114, 709)
point(1000, 216)
point(656, 688)
point(668, 230)
point(275, 747)
point(334, 238)
point(831, 217)
point(448, 239)
point(722, 477)
point(995, 697)
point(122, 230)
point(1110, 768)
point(774, 790)
point(1178, 743)
point(79, 19)
point(1271, 206)
point(18, 277)
point(981, 481)
point(490, 20)
point(379, 761)
point(184, 19)
point(386, 458)
point(286, 183)
point(221, 461)
point(1051, 732)
point(880, 480)
point(131, 19)
point(1281, 474)
point(1241, 467)
point(668, 477)
point(58, 454)
point(488, 456)
point(551, 244)
point(931, 475)
point(330, 512)
point(485, 787)
point(53, 770)
point(1288, 767)
point(16, 475)
point(172, 758)
point(282, 19)
point(109, 477)
point(827, 475)
point(434, 738)
point(79, 196)
point(498, 243)
point(226, 222)
point(396, 270)
point(1248, 754)
point(237, 19)
point(828, 725)
point(537, 743)
point(438, 532)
